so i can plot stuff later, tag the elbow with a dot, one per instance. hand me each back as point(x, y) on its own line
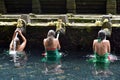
point(25, 40)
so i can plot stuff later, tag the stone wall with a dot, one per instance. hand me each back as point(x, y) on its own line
point(18, 6)
point(60, 6)
point(118, 6)
point(91, 6)
point(75, 39)
point(111, 6)
point(2, 7)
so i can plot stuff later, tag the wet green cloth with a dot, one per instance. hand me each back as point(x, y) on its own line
point(52, 56)
point(99, 58)
point(101, 62)
point(101, 65)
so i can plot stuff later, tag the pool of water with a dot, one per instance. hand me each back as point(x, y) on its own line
point(74, 65)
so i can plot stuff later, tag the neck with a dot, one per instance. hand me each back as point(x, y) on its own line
point(99, 40)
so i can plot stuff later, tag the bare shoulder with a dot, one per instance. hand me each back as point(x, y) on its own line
point(95, 41)
point(56, 40)
point(106, 41)
point(44, 39)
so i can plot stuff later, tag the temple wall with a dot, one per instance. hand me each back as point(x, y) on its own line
point(60, 6)
point(75, 39)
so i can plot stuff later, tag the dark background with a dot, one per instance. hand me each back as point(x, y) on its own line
point(57, 6)
point(74, 39)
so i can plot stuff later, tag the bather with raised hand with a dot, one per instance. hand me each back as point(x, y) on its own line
point(17, 47)
point(52, 55)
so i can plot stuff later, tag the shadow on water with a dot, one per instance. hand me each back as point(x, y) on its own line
point(74, 65)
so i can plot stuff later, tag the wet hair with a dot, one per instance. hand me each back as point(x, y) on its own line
point(50, 35)
point(101, 35)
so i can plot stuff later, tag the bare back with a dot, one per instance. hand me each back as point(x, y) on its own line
point(101, 47)
point(21, 47)
point(55, 44)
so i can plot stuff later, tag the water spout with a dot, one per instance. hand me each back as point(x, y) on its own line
point(14, 41)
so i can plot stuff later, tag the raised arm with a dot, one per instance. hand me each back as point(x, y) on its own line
point(58, 44)
point(23, 45)
point(11, 43)
point(15, 34)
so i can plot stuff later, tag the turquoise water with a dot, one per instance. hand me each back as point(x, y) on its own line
point(74, 65)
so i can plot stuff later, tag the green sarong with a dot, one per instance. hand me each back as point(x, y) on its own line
point(99, 58)
point(101, 62)
point(52, 56)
